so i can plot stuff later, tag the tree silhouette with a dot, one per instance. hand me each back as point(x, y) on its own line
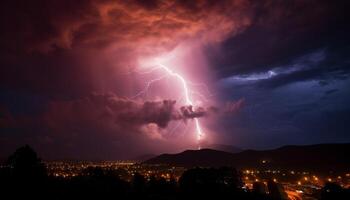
point(26, 175)
point(138, 182)
point(25, 164)
point(276, 190)
point(333, 191)
point(96, 183)
point(210, 182)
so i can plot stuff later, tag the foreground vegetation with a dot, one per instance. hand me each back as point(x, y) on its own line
point(24, 176)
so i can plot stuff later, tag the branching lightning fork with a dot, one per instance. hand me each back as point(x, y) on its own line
point(186, 92)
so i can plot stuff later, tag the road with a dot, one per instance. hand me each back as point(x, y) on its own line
point(292, 195)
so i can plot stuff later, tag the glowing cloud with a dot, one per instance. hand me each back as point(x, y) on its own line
point(186, 93)
point(176, 64)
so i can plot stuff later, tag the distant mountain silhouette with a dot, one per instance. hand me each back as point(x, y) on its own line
point(203, 157)
point(320, 157)
point(223, 147)
point(218, 147)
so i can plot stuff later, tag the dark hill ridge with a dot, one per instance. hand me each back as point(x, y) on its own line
point(223, 147)
point(218, 147)
point(320, 157)
point(203, 157)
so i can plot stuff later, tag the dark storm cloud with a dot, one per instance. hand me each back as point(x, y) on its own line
point(55, 53)
point(56, 41)
point(282, 31)
point(122, 111)
point(302, 112)
point(108, 107)
point(328, 68)
point(322, 66)
point(95, 120)
point(328, 92)
point(330, 124)
point(320, 74)
point(70, 48)
point(189, 112)
point(46, 26)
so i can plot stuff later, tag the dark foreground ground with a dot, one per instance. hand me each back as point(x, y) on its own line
point(25, 177)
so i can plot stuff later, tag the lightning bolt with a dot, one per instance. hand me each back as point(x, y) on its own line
point(187, 99)
point(186, 91)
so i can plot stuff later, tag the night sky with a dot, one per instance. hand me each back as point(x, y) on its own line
point(81, 79)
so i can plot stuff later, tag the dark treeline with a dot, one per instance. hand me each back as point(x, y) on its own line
point(25, 177)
